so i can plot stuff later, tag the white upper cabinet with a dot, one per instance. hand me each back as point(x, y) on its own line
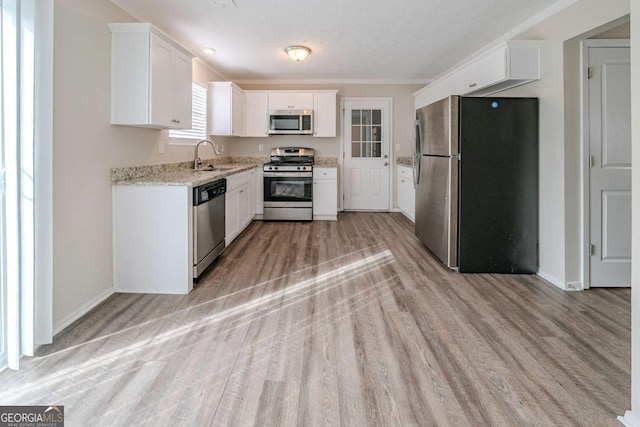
point(256, 114)
point(436, 91)
point(290, 100)
point(227, 111)
point(511, 64)
point(150, 78)
point(324, 113)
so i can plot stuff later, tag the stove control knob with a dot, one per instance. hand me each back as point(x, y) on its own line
point(298, 167)
point(270, 168)
point(304, 168)
point(276, 168)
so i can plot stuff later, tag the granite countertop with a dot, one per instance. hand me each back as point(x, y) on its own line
point(188, 177)
point(404, 160)
point(181, 173)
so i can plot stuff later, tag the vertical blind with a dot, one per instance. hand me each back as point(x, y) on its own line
point(199, 117)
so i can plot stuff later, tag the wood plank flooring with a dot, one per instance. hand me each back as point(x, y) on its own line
point(348, 323)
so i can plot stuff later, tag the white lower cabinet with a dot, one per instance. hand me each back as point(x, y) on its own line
point(153, 239)
point(325, 194)
point(406, 192)
point(238, 201)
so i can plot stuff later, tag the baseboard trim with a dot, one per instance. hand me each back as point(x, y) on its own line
point(629, 419)
point(325, 217)
point(575, 286)
point(552, 279)
point(82, 310)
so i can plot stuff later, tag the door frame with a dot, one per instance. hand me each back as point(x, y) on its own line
point(344, 134)
point(584, 147)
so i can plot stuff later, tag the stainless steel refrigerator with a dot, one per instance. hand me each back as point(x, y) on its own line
point(476, 180)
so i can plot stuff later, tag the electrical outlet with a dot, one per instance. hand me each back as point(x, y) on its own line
point(397, 147)
point(260, 147)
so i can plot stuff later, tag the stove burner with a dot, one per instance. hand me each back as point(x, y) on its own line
point(290, 159)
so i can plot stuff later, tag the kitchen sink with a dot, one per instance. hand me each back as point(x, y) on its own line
point(215, 169)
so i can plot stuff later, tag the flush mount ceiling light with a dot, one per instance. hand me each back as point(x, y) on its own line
point(297, 53)
point(222, 3)
point(209, 50)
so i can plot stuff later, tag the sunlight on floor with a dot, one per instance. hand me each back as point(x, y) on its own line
point(250, 311)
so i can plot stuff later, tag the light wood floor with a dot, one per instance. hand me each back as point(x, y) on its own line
point(340, 323)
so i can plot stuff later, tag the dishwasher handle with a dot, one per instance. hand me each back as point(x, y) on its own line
point(207, 192)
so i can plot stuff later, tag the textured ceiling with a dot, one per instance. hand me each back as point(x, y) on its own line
point(395, 40)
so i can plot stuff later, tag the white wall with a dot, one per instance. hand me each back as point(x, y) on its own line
point(560, 206)
point(86, 146)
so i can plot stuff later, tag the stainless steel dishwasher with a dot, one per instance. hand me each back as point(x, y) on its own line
point(208, 224)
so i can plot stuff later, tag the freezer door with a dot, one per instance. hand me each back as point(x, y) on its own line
point(498, 211)
point(437, 207)
point(437, 127)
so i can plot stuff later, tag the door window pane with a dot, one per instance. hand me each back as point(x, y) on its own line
point(355, 149)
point(376, 118)
point(366, 117)
point(355, 133)
point(355, 117)
point(366, 133)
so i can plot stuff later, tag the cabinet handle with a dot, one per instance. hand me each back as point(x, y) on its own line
point(175, 121)
point(473, 85)
point(402, 180)
point(241, 191)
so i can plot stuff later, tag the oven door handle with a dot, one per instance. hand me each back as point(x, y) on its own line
point(288, 174)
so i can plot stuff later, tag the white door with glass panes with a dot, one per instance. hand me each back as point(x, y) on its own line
point(366, 143)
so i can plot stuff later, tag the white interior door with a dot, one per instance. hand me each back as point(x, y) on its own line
point(366, 141)
point(610, 172)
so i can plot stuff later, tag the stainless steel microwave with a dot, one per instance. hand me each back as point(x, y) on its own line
point(290, 122)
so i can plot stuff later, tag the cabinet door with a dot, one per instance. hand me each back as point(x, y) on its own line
point(226, 109)
point(324, 115)
point(290, 101)
point(325, 200)
point(236, 111)
point(182, 91)
point(325, 193)
point(302, 101)
point(406, 192)
point(487, 71)
point(280, 101)
point(244, 206)
point(160, 106)
point(232, 219)
point(256, 114)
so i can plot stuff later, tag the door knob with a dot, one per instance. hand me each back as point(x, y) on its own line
point(386, 156)
point(386, 163)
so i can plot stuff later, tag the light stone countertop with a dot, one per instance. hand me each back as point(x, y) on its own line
point(180, 173)
point(188, 177)
point(404, 160)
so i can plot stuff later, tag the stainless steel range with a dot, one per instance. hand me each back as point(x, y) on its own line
point(288, 184)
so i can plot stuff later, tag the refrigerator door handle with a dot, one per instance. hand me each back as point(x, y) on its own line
point(415, 159)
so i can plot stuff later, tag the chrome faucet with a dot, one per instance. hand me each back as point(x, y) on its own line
point(196, 160)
